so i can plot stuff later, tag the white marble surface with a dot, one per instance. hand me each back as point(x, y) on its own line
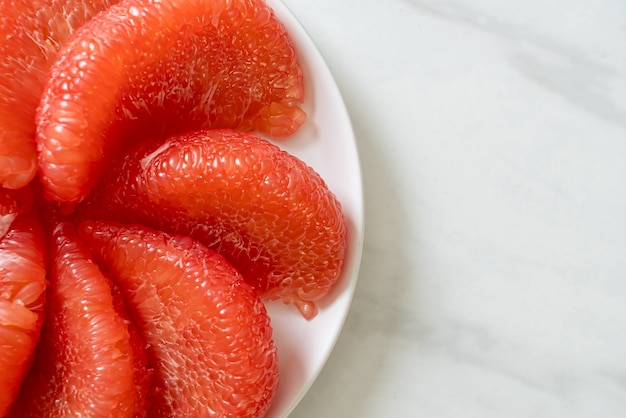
point(493, 144)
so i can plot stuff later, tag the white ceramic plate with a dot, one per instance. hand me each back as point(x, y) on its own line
point(325, 142)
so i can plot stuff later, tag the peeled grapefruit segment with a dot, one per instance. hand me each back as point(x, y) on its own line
point(84, 362)
point(266, 211)
point(210, 336)
point(22, 297)
point(154, 68)
point(32, 31)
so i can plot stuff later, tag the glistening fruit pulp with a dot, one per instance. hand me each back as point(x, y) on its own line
point(272, 216)
point(32, 32)
point(211, 340)
point(144, 68)
point(135, 76)
point(84, 363)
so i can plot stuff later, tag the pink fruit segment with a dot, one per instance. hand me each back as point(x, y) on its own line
point(266, 211)
point(143, 372)
point(153, 68)
point(210, 337)
point(84, 362)
point(32, 31)
point(22, 298)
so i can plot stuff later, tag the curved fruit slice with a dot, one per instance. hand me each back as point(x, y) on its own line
point(209, 334)
point(84, 362)
point(153, 68)
point(32, 31)
point(22, 297)
point(266, 211)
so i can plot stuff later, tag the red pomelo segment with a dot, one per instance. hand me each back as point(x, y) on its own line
point(209, 333)
point(143, 372)
point(266, 211)
point(12, 203)
point(32, 31)
point(146, 68)
point(84, 363)
point(22, 297)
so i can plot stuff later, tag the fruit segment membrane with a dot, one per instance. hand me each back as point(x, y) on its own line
point(155, 68)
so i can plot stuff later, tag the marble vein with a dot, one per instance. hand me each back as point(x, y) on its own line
point(596, 84)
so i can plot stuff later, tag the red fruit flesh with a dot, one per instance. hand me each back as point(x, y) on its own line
point(142, 373)
point(32, 31)
point(147, 68)
point(12, 203)
point(84, 363)
point(210, 335)
point(22, 297)
point(266, 211)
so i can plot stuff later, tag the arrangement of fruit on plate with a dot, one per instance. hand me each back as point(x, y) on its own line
point(145, 216)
